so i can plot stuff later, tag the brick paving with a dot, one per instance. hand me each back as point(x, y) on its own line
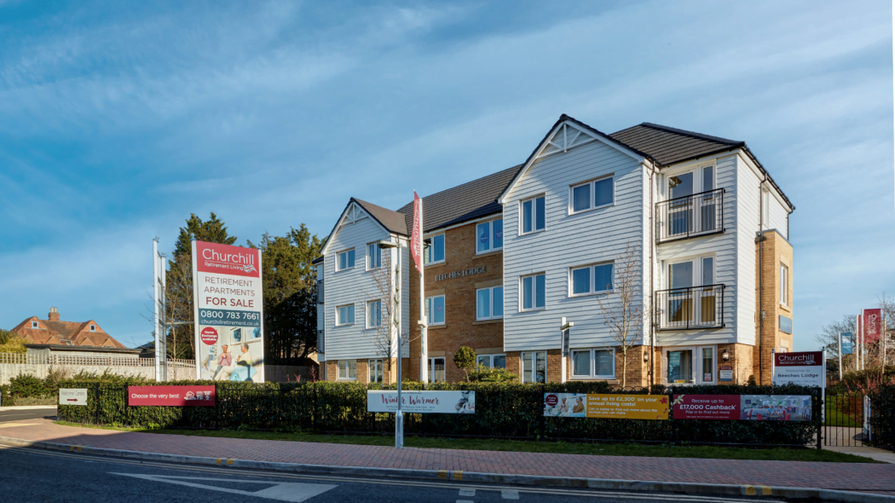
point(875, 478)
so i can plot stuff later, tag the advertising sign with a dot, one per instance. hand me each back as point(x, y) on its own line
point(171, 396)
point(775, 408)
point(706, 407)
point(805, 368)
point(847, 342)
point(606, 406)
point(72, 396)
point(422, 402)
point(228, 312)
point(872, 323)
point(744, 407)
point(725, 373)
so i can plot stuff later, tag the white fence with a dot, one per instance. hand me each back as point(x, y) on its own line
point(39, 365)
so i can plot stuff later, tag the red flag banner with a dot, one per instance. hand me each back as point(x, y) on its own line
point(416, 236)
point(872, 324)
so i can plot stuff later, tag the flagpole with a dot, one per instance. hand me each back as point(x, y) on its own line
point(424, 322)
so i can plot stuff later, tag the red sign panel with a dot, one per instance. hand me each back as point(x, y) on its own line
point(872, 324)
point(209, 335)
point(706, 406)
point(226, 259)
point(172, 396)
point(416, 235)
point(803, 359)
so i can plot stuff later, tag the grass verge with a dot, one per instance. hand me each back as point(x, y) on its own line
point(666, 451)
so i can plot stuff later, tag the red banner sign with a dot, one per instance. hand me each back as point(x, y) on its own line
point(171, 396)
point(416, 235)
point(706, 406)
point(872, 323)
point(803, 359)
point(227, 259)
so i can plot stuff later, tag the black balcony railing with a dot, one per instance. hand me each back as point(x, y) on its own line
point(691, 216)
point(690, 308)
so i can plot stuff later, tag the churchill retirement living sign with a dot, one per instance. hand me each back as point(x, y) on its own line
point(228, 312)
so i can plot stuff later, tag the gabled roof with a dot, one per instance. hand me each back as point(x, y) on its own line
point(59, 332)
point(393, 221)
point(633, 152)
point(667, 145)
point(462, 203)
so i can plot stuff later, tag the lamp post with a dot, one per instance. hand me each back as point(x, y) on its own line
point(395, 319)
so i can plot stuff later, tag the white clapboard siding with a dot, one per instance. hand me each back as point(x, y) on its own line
point(749, 218)
point(353, 286)
point(568, 241)
point(777, 219)
point(723, 247)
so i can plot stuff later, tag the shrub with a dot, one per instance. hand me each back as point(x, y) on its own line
point(492, 374)
point(5, 399)
point(27, 385)
point(464, 359)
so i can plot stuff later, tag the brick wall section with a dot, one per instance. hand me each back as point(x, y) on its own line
point(774, 251)
point(461, 327)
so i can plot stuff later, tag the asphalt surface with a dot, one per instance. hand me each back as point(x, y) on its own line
point(22, 414)
point(42, 476)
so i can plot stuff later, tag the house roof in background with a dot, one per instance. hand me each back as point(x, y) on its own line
point(59, 332)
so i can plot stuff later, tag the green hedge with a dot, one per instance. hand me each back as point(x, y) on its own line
point(5, 399)
point(502, 410)
point(882, 419)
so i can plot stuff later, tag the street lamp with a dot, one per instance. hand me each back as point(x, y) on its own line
point(399, 417)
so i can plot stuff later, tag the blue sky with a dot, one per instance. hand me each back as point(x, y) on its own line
point(119, 119)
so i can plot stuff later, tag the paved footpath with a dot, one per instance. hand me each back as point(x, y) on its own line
point(863, 477)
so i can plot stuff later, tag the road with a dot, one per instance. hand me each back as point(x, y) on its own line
point(8, 415)
point(44, 476)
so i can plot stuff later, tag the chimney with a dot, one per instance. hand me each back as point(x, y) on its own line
point(54, 314)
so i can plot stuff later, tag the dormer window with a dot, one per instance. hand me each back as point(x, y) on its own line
point(93, 328)
point(35, 324)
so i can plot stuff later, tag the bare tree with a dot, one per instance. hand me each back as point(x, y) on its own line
point(388, 287)
point(624, 311)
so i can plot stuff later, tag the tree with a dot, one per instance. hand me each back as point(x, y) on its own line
point(829, 340)
point(464, 359)
point(623, 309)
point(179, 280)
point(290, 294)
point(10, 342)
point(388, 338)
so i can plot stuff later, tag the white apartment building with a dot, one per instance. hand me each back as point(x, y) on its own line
point(697, 217)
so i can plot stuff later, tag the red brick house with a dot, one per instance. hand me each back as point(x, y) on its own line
point(72, 333)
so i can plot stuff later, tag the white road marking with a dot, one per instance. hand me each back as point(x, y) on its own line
point(509, 495)
point(467, 492)
point(281, 491)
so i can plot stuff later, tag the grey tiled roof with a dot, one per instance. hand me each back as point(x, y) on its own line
point(391, 220)
point(462, 203)
point(669, 145)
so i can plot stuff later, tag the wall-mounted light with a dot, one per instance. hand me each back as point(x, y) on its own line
point(645, 357)
point(725, 355)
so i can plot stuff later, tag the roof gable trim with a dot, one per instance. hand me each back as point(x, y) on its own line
point(349, 216)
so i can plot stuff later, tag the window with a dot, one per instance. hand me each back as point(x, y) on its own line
point(533, 215)
point(375, 370)
point(592, 195)
point(93, 328)
point(489, 303)
point(534, 367)
point(436, 369)
point(784, 285)
point(534, 292)
point(691, 300)
point(492, 361)
point(434, 249)
point(593, 363)
point(489, 236)
point(346, 260)
point(435, 310)
point(374, 256)
point(35, 324)
point(345, 315)
point(591, 279)
point(374, 314)
point(691, 365)
point(687, 214)
point(347, 369)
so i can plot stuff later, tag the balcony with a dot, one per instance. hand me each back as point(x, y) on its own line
point(691, 216)
point(693, 308)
